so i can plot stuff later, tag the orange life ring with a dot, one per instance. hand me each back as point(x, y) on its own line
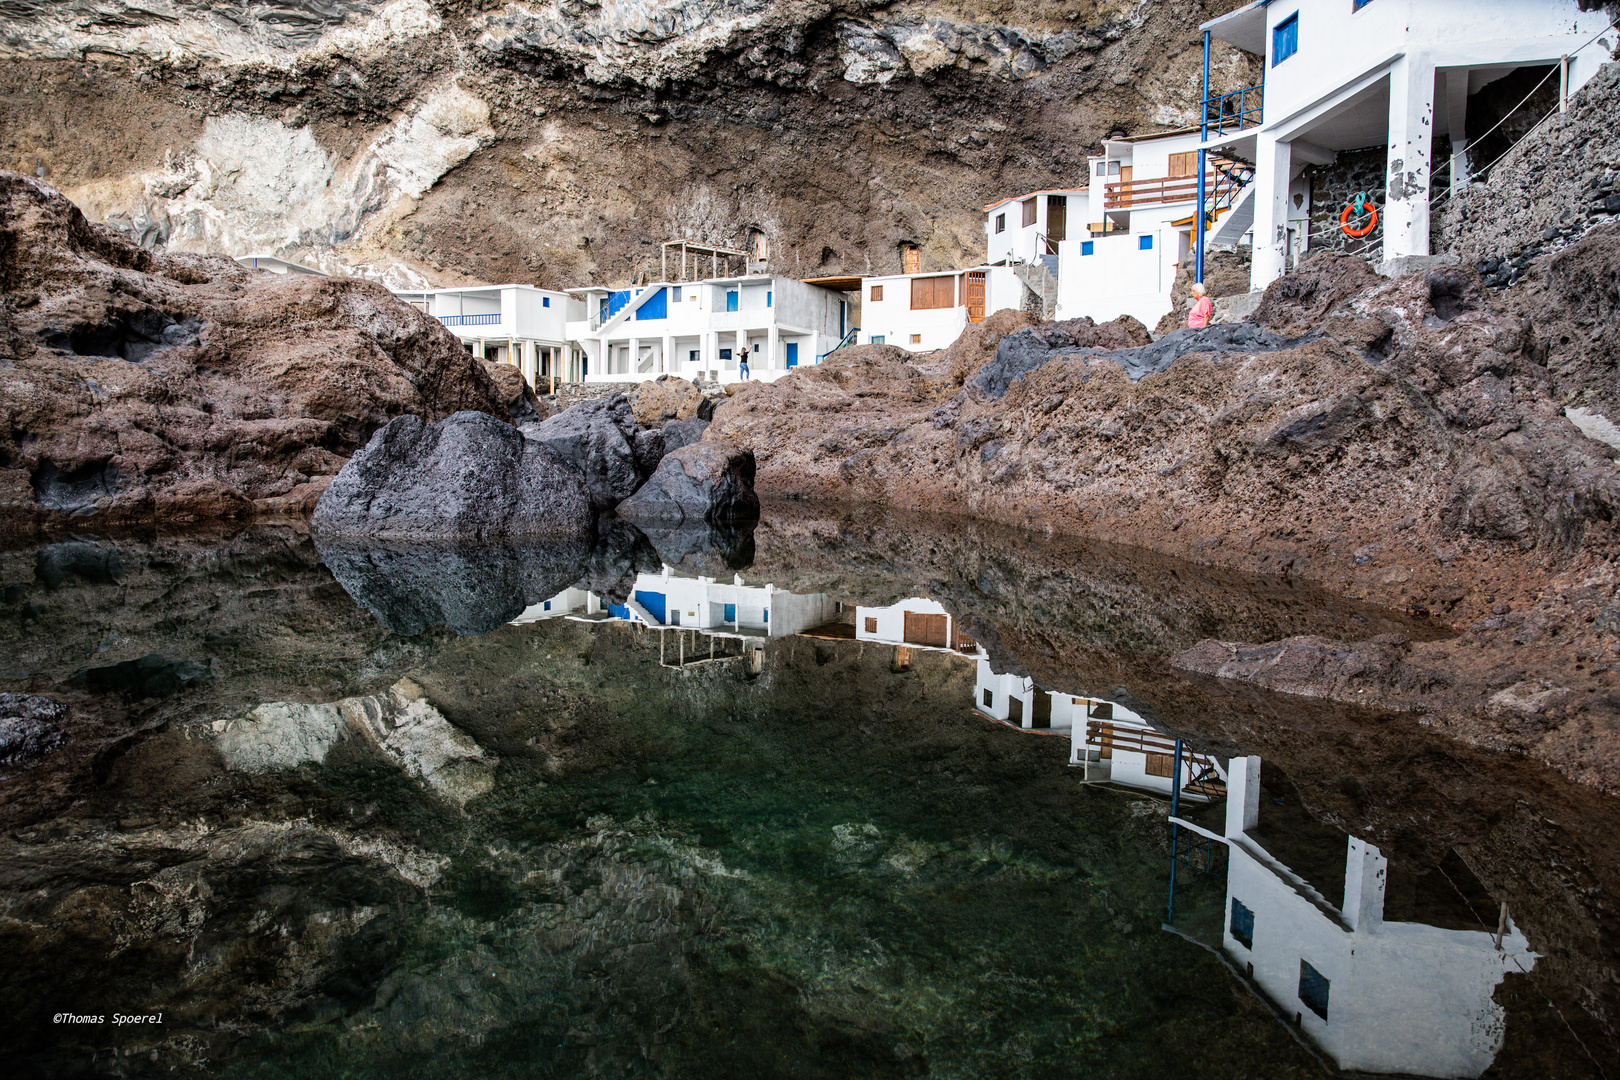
point(1372, 221)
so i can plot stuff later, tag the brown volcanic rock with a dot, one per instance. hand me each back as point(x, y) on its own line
point(141, 387)
point(1405, 449)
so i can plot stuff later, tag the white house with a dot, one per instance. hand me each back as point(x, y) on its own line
point(920, 312)
point(675, 601)
point(1027, 227)
point(277, 265)
point(701, 329)
point(917, 622)
point(1017, 700)
point(510, 324)
point(1375, 996)
point(568, 602)
point(1117, 746)
point(1349, 74)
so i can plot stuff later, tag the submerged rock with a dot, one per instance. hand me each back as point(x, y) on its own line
point(468, 477)
point(599, 439)
point(706, 482)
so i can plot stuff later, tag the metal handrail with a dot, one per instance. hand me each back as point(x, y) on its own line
point(843, 343)
point(469, 320)
point(1236, 110)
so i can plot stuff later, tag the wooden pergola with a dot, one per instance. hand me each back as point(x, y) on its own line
point(698, 252)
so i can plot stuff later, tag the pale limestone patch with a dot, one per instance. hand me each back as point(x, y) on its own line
point(1594, 425)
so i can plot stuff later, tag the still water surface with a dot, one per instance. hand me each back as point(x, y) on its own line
point(836, 797)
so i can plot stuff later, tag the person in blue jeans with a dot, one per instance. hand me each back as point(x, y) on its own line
point(742, 363)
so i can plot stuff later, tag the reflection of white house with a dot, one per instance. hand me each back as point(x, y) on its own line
point(511, 324)
point(1016, 700)
point(1376, 996)
point(917, 622)
point(920, 312)
point(1348, 74)
point(1025, 228)
point(670, 600)
point(701, 329)
point(1125, 260)
point(1115, 745)
point(278, 265)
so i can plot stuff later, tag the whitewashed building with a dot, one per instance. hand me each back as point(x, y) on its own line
point(1344, 75)
point(917, 622)
point(670, 600)
point(510, 324)
point(1028, 227)
point(920, 312)
point(1124, 261)
point(277, 265)
point(702, 329)
point(1375, 996)
point(1114, 745)
point(1018, 701)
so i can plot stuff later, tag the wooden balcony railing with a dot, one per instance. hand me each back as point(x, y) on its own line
point(1167, 189)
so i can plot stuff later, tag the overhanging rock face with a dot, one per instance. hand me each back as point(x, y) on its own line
point(706, 482)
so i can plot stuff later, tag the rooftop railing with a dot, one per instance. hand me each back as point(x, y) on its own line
point(469, 320)
point(1238, 110)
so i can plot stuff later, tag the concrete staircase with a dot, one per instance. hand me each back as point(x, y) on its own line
point(1039, 279)
point(1236, 221)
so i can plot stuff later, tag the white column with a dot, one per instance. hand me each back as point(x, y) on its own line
point(1242, 795)
point(631, 364)
point(670, 361)
point(773, 338)
point(1457, 125)
point(1411, 129)
point(1366, 872)
point(1273, 160)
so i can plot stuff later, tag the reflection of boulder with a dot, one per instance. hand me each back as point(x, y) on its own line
point(704, 482)
point(472, 590)
point(716, 551)
point(28, 728)
point(469, 476)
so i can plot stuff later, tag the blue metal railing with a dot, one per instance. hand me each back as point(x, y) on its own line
point(1238, 110)
point(843, 343)
point(469, 320)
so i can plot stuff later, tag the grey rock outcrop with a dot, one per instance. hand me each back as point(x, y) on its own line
point(1025, 350)
point(599, 439)
point(29, 729)
point(469, 476)
point(679, 433)
point(707, 482)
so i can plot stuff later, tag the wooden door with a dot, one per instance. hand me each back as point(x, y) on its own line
point(924, 629)
point(1125, 173)
point(1015, 710)
point(1057, 221)
point(973, 294)
point(1043, 708)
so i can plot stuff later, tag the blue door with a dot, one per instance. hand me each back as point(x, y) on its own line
point(618, 611)
point(731, 613)
point(653, 602)
point(731, 300)
point(793, 354)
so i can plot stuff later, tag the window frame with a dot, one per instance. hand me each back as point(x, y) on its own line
point(1246, 937)
point(877, 295)
point(1001, 223)
point(1286, 28)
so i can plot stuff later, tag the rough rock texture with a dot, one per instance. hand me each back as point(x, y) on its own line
point(141, 387)
point(709, 481)
point(601, 440)
point(668, 397)
point(679, 433)
point(467, 477)
point(558, 142)
point(522, 406)
point(1560, 181)
point(1023, 351)
point(30, 729)
point(1226, 273)
point(1405, 448)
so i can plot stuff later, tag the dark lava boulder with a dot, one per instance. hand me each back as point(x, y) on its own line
point(469, 476)
point(1024, 350)
point(29, 729)
point(707, 481)
point(679, 433)
point(598, 438)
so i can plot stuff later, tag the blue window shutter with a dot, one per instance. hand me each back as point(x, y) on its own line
point(1145, 243)
point(1087, 247)
point(1285, 39)
point(767, 616)
point(1313, 989)
point(767, 298)
point(731, 613)
point(1242, 924)
point(545, 301)
point(731, 300)
point(548, 606)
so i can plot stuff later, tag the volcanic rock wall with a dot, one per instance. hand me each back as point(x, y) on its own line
point(558, 142)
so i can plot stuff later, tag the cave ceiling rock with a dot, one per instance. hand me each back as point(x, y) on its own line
point(252, 185)
point(272, 33)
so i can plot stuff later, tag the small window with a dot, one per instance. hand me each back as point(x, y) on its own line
point(877, 293)
point(692, 356)
point(1160, 765)
point(1313, 989)
point(871, 625)
point(1242, 924)
point(731, 300)
point(1113, 168)
point(916, 339)
point(731, 613)
point(548, 606)
point(1087, 247)
point(878, 339)
point(1029, 212)
point(1184, 164)
point(1101, 710)
point(725, 354)
point(545, 301)
point(768, 622)
point(1102, 168)
point(767, 298)
point(989, 698)
point(1285, 39)
point(1001, 223)
point(1144, 243)
point(675, 296)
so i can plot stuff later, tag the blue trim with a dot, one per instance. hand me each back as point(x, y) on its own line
point(731, 299)
point(616, 301)
point(792, 354)
point(655, 306)
point(654, 603)
point(545, 301)
point(731, 613)
point(767, 298)
point(1144, 243)
point(1285, 39)
point(470, 320)
point(1088, 247)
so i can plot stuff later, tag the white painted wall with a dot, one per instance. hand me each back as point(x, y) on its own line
point(892, 321)
point(1018, 242)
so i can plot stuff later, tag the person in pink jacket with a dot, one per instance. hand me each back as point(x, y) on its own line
point(1198, 317)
